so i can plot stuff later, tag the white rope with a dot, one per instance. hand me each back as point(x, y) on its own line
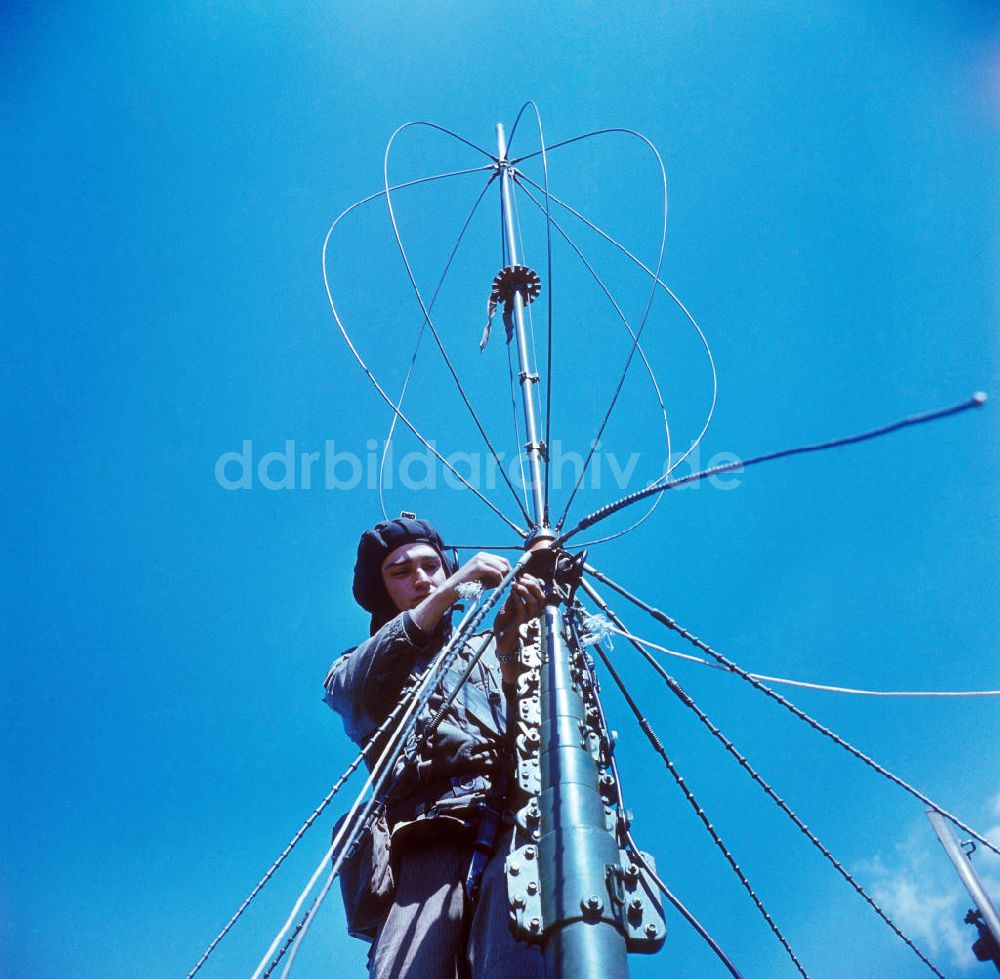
point(431, 676)
point(469, 590)
point(594, 629)
point(802, 683)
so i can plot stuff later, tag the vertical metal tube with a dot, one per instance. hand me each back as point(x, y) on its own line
point(575, 850)
point(582, 938)
point(528, 378)
point(966, 872)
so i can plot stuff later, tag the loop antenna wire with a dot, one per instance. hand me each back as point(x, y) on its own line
point(364, 366)
point(416, 347)
point(427, 313)
point(642, 354)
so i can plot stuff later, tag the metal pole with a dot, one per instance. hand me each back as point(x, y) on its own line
point(578, 861)
point(576, 853)
point(966, 872)
point(528, 378)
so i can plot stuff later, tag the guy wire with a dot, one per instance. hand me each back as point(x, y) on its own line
point(379, 770)
point(670, 623)
point(699, 811)
point(351, 769)
point(288, 944)
point(976, 401)
point(371, 809)
point(636, 853)
point(744, 763)
point(451, 651)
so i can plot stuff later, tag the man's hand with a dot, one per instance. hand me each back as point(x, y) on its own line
point(487, 569)
point(524, 603)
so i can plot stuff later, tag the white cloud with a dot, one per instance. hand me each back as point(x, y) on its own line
point(917, 886)
point(986, 862)
point(930, 915)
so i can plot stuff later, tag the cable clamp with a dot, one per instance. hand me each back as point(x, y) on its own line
point(525, 376)
point(539, 447)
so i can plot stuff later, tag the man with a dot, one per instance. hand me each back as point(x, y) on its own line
point(448, 916)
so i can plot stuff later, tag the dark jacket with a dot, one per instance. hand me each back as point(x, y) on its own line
point(465, 754)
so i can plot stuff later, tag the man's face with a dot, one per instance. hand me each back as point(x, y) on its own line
point(411, 572)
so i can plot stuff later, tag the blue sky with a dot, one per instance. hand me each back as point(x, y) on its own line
point(170, 173)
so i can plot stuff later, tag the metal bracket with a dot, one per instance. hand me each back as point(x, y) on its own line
point(639, 905)
point(569, 573)
point(521, 868)
point(525, 899)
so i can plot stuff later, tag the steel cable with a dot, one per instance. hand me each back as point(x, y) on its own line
point(976, 401)
point(658, 747)
point(743, 762)
point(670, 623)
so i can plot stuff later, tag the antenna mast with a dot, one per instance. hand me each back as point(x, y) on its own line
point(570, 883)
point(537, 450)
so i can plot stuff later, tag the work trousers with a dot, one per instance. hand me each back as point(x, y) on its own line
point(433, 933)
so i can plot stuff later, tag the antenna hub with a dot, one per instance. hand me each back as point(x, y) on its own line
point(516, 279)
